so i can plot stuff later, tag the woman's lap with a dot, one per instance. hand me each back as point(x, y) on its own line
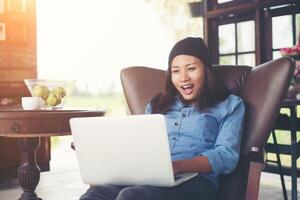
point(102, 192)
point(113, 192)
point(198, 188)
point(195, 189)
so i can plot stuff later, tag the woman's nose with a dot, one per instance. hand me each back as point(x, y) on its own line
point(184, 76)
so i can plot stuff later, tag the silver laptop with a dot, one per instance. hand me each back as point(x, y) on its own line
point(125, 150)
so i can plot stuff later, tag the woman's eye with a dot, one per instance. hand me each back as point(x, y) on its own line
point(175, 71)
point(191, 68)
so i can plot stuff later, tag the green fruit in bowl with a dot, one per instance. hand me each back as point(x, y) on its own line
point(40, 91)
point(52, 100)
point(60, 92)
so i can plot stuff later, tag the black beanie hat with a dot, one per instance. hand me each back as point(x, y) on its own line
point(193, 47)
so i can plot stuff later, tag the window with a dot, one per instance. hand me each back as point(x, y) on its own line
point(298, 27)
point(283, 34)
point(282, 31)
point(2, 31)
point(23, 5)
point(247, 33)
point(236, 43)
point(16, 5)
point(2, 9)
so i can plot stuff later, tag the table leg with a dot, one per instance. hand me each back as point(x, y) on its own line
point(28, 171)
point(294, 153)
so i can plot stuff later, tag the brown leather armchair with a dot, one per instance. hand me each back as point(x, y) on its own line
point(263, 89)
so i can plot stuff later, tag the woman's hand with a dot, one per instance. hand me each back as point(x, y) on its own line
point(176, 169)
point(198, 164)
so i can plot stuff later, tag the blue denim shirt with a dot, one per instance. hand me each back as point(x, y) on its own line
point(215, 134)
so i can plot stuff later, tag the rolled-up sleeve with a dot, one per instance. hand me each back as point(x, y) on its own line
point(224, 157)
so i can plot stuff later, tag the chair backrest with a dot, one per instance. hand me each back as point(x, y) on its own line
point(262, 88)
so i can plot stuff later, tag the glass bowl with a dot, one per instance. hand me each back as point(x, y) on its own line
point(54, 93)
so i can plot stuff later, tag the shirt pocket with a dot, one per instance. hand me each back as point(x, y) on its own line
point(191, 133)
point(201, 132)
point(211, 128)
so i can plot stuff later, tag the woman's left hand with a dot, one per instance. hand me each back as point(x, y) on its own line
point(198, 164)
point(175, 167)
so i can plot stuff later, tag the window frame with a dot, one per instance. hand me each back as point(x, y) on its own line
point(261, 11)
point(234, 20)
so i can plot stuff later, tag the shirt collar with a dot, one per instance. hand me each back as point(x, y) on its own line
point(179, 103)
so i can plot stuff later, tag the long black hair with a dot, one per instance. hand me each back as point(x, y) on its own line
point(213, 91)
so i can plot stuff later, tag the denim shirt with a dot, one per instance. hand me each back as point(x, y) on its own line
point(214, 133)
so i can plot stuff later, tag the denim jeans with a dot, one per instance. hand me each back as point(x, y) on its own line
point(198, 188)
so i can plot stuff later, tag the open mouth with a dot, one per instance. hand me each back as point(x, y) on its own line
point(187, 89)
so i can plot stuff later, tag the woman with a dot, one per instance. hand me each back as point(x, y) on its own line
point(204, 127)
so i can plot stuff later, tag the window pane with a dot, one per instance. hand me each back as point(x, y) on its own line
point(246, 34)
point(282, 31)
point(2, 6)
point(276, 54)
point(15, 5)
point(227, 38)
point(2, 31)
point(227, 60)
point(247, 59)
point(24, 2)
point(224, 1)
point(298, 28)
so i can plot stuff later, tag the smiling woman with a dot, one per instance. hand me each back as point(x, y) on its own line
point(188, 76)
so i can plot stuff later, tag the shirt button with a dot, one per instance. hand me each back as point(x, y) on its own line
point(183, 115)
point(176, 124)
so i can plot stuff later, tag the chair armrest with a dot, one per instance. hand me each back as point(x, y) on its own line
point(257, 163)
point(257, 155)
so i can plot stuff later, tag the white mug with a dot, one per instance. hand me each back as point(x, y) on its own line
point(31, 103)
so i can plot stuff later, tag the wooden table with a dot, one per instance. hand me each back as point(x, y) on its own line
point(29, 127)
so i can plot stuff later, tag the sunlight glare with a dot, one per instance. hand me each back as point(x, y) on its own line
point(92, 40)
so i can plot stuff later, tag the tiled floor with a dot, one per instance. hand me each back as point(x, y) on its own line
point(64, 183)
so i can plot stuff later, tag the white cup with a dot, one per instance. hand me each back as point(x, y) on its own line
point(31, 103)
